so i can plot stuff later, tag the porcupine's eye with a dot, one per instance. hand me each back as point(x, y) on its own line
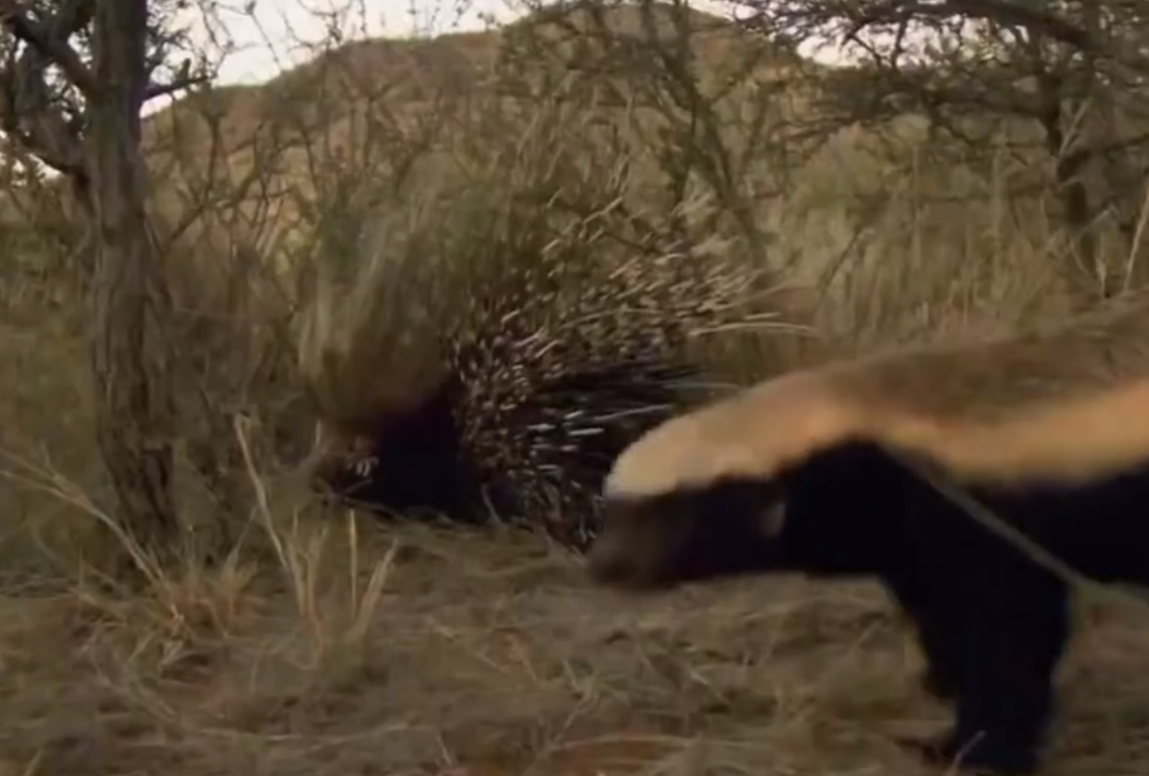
point(365, 467)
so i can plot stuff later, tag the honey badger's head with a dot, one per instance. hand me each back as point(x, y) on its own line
point(679, 508)
point(657, 542)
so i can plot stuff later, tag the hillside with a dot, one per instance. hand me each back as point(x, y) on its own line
point(412, 73)
point(373, 105)
point(362, 131)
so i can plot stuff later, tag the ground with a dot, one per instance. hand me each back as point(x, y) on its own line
point(475, 656)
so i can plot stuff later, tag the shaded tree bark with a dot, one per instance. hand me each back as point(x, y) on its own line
point(83, 120)
point(130, 297)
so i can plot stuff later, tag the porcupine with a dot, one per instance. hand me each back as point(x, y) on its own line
point(520, 397)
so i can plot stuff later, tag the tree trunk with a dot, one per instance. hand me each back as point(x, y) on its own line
point(130, 297)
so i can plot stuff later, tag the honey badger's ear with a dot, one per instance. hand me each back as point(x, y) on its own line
point(772, 519)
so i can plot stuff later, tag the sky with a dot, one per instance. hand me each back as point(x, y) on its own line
point(265, 36)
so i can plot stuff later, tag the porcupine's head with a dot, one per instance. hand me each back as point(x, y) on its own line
point(508, 381)
point(370, 357)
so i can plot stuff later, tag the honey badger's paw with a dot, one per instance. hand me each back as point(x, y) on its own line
point(978, 757)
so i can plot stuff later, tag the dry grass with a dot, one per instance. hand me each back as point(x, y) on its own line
point(432, 654)
point(326, 645)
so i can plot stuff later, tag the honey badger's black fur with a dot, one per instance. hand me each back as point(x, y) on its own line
point(807, 472)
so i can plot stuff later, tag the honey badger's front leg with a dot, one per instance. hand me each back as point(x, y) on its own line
point(933, 630)
point(1007, 626)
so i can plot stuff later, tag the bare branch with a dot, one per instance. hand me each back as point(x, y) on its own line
point(1002, 11)
point(32, 117)
point(181, 83)
point(52, 39)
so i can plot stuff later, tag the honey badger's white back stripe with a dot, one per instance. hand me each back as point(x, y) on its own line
point(751, 434)
point(754, 434)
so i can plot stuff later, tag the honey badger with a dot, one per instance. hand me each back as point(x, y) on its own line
point(820, 471)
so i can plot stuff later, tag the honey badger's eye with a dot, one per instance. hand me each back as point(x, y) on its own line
point(773, 519)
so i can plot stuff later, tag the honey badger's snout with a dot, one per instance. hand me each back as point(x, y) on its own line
point(630, 551)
